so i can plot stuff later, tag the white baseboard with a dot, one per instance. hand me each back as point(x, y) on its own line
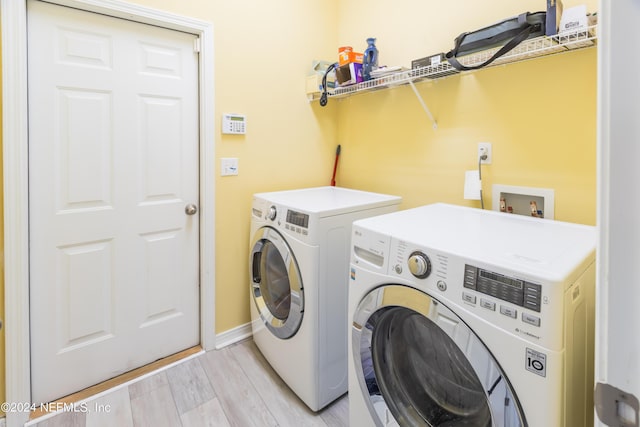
point(232, 336)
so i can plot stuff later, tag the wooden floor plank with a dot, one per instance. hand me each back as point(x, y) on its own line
point(241, 403)
point(148, 384)
point(189, 385)
point(236, 388)
point(337, 413)
point(65, 419)
point(154, 409)
point(209, 414)
point(121, 379)
point(286, 407)
point(113, 409)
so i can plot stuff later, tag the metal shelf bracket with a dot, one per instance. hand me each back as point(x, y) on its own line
point(434, 124)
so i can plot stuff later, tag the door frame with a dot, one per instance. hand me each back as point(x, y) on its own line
point(15, 177)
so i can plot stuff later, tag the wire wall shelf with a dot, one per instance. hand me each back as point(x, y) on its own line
point(529, 49)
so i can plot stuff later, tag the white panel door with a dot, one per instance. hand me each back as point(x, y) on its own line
point(113, 162)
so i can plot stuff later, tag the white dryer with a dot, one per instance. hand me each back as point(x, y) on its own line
point(299, 269)
point(466, 317)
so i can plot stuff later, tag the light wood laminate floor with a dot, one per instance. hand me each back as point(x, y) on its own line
point(234, 386)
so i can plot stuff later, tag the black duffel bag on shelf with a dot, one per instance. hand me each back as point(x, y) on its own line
point(508, 34)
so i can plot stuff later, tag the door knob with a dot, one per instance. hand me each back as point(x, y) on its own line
point(190, 209)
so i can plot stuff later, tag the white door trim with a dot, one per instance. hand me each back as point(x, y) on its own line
point(15, 163)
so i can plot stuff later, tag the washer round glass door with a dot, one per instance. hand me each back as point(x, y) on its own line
point(420, 364)
point(276, 283)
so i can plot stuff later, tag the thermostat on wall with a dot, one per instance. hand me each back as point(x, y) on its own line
point(234, 123)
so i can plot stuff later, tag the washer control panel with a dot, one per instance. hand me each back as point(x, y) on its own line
point(411, 262)
point(525, 304)
point(512, 290)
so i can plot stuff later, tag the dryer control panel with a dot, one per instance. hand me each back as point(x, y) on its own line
point(515, 291)
point(298, 219)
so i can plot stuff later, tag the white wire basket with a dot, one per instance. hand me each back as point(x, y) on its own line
point(532, 48)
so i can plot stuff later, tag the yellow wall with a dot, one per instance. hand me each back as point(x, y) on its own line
point(540, 115)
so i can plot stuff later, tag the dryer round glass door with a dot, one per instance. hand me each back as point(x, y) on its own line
point(418, 363)
point(276, 283)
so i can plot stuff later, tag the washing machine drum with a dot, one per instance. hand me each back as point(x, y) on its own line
point(276, 283)
point(420, 362)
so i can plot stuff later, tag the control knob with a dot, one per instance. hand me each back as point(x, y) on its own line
point(273, 212)
point(419, 265)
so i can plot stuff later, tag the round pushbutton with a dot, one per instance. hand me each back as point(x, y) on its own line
point(442, 285)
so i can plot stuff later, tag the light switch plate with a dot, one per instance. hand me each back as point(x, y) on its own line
point(228, 166)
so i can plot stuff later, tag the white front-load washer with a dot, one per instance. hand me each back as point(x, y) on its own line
point(466, 317)
point(298, 267)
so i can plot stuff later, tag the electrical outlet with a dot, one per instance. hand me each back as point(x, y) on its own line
point(484, 148)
